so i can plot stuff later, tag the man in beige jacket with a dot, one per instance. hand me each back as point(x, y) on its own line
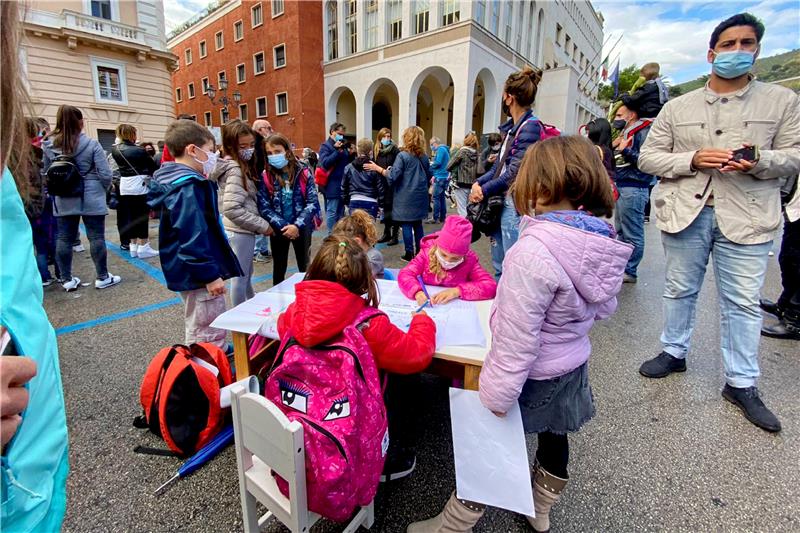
point(712, 200)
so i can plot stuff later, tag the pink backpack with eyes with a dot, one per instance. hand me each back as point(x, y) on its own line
point(334, 391)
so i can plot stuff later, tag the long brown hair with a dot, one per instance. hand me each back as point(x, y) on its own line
point(381, 134)
point(358, 224)
point(276, 139)
point(341, 260)
point(414, 141)
point(14, 145)
point(522, 85)
point(563, 168)
point(68, 128)
point(231, 131)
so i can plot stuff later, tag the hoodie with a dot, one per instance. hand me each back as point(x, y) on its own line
point(322, 309)
point(359, 184)
point(557, 280)
point(192, 245)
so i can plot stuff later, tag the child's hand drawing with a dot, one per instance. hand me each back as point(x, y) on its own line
point(446, 295)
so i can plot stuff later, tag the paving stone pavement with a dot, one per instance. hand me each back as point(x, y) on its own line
point(665, 455)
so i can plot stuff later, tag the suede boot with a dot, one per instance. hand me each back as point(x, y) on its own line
point(547, 490)
point(454, 518)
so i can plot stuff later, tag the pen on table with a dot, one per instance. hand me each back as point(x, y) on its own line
point(424, 289)
point(421, 307)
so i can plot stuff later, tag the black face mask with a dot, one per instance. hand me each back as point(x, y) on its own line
point(506, 109)
point(619, 124)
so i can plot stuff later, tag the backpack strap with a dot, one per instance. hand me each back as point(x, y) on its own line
point(646, 123)
point(365, 315)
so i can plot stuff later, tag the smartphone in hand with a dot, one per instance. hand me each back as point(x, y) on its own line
point(746, 153)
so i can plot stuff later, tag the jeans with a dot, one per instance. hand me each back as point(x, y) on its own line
point(334, 210)
point(44, 240)
point(262, 245)
point(242, 245)
point(68, 232)
point(506, 236)
point(629, 217)
point(280, 253)
point(410, 241)
point(369, 207)
point(462, 200)
point(439, 204)
point(739, 271)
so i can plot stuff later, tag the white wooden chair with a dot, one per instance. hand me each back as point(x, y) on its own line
point(266, 441)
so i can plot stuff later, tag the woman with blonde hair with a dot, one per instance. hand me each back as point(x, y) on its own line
point(463, 166)
point(385, 153)
point(409, 177)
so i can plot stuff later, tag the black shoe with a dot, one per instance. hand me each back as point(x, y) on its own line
point(398, 465)
point(662, 366)
point(125, 247)
point(753, 408)
point(394, 242)
point(782, 330)
point(770, 307)
point(408, 256)
point(386, 238)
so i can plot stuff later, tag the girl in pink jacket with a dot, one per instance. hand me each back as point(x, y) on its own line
point(445, 260)
point(563, 273)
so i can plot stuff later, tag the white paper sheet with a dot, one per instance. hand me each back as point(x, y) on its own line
point(287, 285)
point(260, 313)
point(490, 455)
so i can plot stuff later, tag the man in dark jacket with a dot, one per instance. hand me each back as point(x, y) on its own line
point(195, 255)
point(334, 156)
point(633, 185)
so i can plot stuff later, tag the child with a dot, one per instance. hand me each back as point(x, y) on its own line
point(446, 260)
point(329, 299)
point(562, 274)
point(361, 188)
point(653, 94)
point(194, 252)
point(361, 227)
point(289, 202)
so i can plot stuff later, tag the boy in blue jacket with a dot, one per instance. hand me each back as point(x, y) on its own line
point(195, 255)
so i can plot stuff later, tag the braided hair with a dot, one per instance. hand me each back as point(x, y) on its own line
point(341, 260)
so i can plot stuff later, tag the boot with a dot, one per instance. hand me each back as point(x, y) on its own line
point(395, 232)
point(547, 489)
point(387, 234)
point(454, 518)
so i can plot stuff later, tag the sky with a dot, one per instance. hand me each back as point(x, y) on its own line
point(673, 33)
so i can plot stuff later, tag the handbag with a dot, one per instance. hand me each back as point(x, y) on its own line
point(485, 215)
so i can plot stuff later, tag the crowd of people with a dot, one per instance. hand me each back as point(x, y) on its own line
point(569, 233)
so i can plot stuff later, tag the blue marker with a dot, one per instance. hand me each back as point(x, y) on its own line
point(424, 290)
point(421, 307)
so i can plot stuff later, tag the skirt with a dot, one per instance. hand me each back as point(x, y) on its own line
point(559, 405)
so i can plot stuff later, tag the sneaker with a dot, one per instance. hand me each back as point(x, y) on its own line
point(770, 307)
point(146, 252)
point(430, 220)
point(262, 258)
point(627, 278)
point(754, 410)
point(125, 247)
point(110, 281)
point(134, 249)
point(398, 465)
point(48, 282)
point(78, 248)
point(72, 285)
point(662, 366)
point(408, 256)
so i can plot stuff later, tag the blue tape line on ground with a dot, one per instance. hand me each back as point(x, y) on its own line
point(117, 316)
point(142, 265)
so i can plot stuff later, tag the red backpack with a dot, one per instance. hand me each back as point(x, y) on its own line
point(180, 395)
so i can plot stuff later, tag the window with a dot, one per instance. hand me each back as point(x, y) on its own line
point(101, 9)
point(188, 55)
point(109, 81)
point(372, 22)
point(494, 23)
point(568, 44)
point(256, 16)
point(240, 73)
point(480, 12)
point(559, 29)
point(207, 118)
point(238, 31)
point(277, 8)
point(224, 116)
point(395, 10)
point(351, 26)
point(279, 56)
point(421, 16)
point(243, 112)
point(204, 83)
point(219, 41)
point(450, 12)
point(203, 50)
point(261, 107)
point(281, 103)
point(221, 76)
point(258, 63)
point(191, 90)
point(178, 96)
point(333, 31)
point(509, 18)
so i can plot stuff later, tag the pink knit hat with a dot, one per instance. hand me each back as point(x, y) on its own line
point(456, 235)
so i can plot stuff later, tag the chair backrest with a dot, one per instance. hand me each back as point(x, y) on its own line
point(263, 431)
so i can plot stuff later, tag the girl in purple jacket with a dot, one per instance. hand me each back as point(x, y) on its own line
point(563, 274)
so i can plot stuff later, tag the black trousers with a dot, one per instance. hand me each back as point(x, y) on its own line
point(402, 397)
point(133, 217)
point(280, 254)
point(553, 453)
point(789, 260)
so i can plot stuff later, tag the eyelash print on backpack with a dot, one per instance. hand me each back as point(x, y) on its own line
point(294, 396)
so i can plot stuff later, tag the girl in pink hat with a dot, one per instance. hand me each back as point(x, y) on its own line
point(445, 260)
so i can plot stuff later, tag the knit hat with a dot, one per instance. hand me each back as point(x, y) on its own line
point(456, 235)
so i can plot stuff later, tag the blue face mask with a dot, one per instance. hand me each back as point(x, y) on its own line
point(730, 65)
point(278, 161)
point(339, 137)
point(386, 142)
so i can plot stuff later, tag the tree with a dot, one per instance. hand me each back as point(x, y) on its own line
point(627, 77)
point(675, 91)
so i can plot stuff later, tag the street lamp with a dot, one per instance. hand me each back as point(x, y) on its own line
point(211, 92)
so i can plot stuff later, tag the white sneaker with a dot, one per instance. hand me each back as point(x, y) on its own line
point(72, 285)
point(110, 281)
point(146, 252)
point(79, 248)
point(134, 249)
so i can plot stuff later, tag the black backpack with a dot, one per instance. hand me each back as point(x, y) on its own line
point(64, 178)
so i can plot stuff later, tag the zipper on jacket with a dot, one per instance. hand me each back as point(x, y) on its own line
point(327, 434)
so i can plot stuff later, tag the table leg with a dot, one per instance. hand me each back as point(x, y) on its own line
point(471, 374)
point(240, 356)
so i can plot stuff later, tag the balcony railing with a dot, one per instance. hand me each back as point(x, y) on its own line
point(102, 27)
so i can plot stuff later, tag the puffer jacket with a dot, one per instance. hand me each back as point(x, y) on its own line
point(240, 203)
point(132, 160)
point(356, 180)
point(465, 167)
point(220, 176)
point(93, 166)
point(305, 201)
point(521, 135)
point(557, 280)
point(473, 280)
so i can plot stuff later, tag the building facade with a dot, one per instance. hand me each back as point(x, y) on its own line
point(108, 58)
point(441, 64)
point(269, 54)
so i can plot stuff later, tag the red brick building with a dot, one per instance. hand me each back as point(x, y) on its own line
point(270, 52)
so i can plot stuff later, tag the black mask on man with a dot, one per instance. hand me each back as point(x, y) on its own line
point(619, 124)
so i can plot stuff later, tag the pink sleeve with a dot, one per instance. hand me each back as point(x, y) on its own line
point(480, 285)
point(407, 278)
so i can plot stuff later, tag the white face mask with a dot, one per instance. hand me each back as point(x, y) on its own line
point(208, 164)
point(445, 264)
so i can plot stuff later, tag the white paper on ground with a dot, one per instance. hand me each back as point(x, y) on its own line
point(250, 383)
point(490, 454)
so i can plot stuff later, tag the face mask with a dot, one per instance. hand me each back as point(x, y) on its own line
point(386, 142)
point(339, 137)
point(506, 108)
point(246, 153)
point(497, 147)
point(445, 264)
point(208, 164)
point(731, 65)
point(619, 124)
point(278, 161)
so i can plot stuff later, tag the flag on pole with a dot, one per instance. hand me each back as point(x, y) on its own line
point(614, 79)
point(604, 68)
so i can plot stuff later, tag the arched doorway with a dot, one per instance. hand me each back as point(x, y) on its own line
point(486, 103)
point(342, 106)
point(382, 101)
point(432, 96)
